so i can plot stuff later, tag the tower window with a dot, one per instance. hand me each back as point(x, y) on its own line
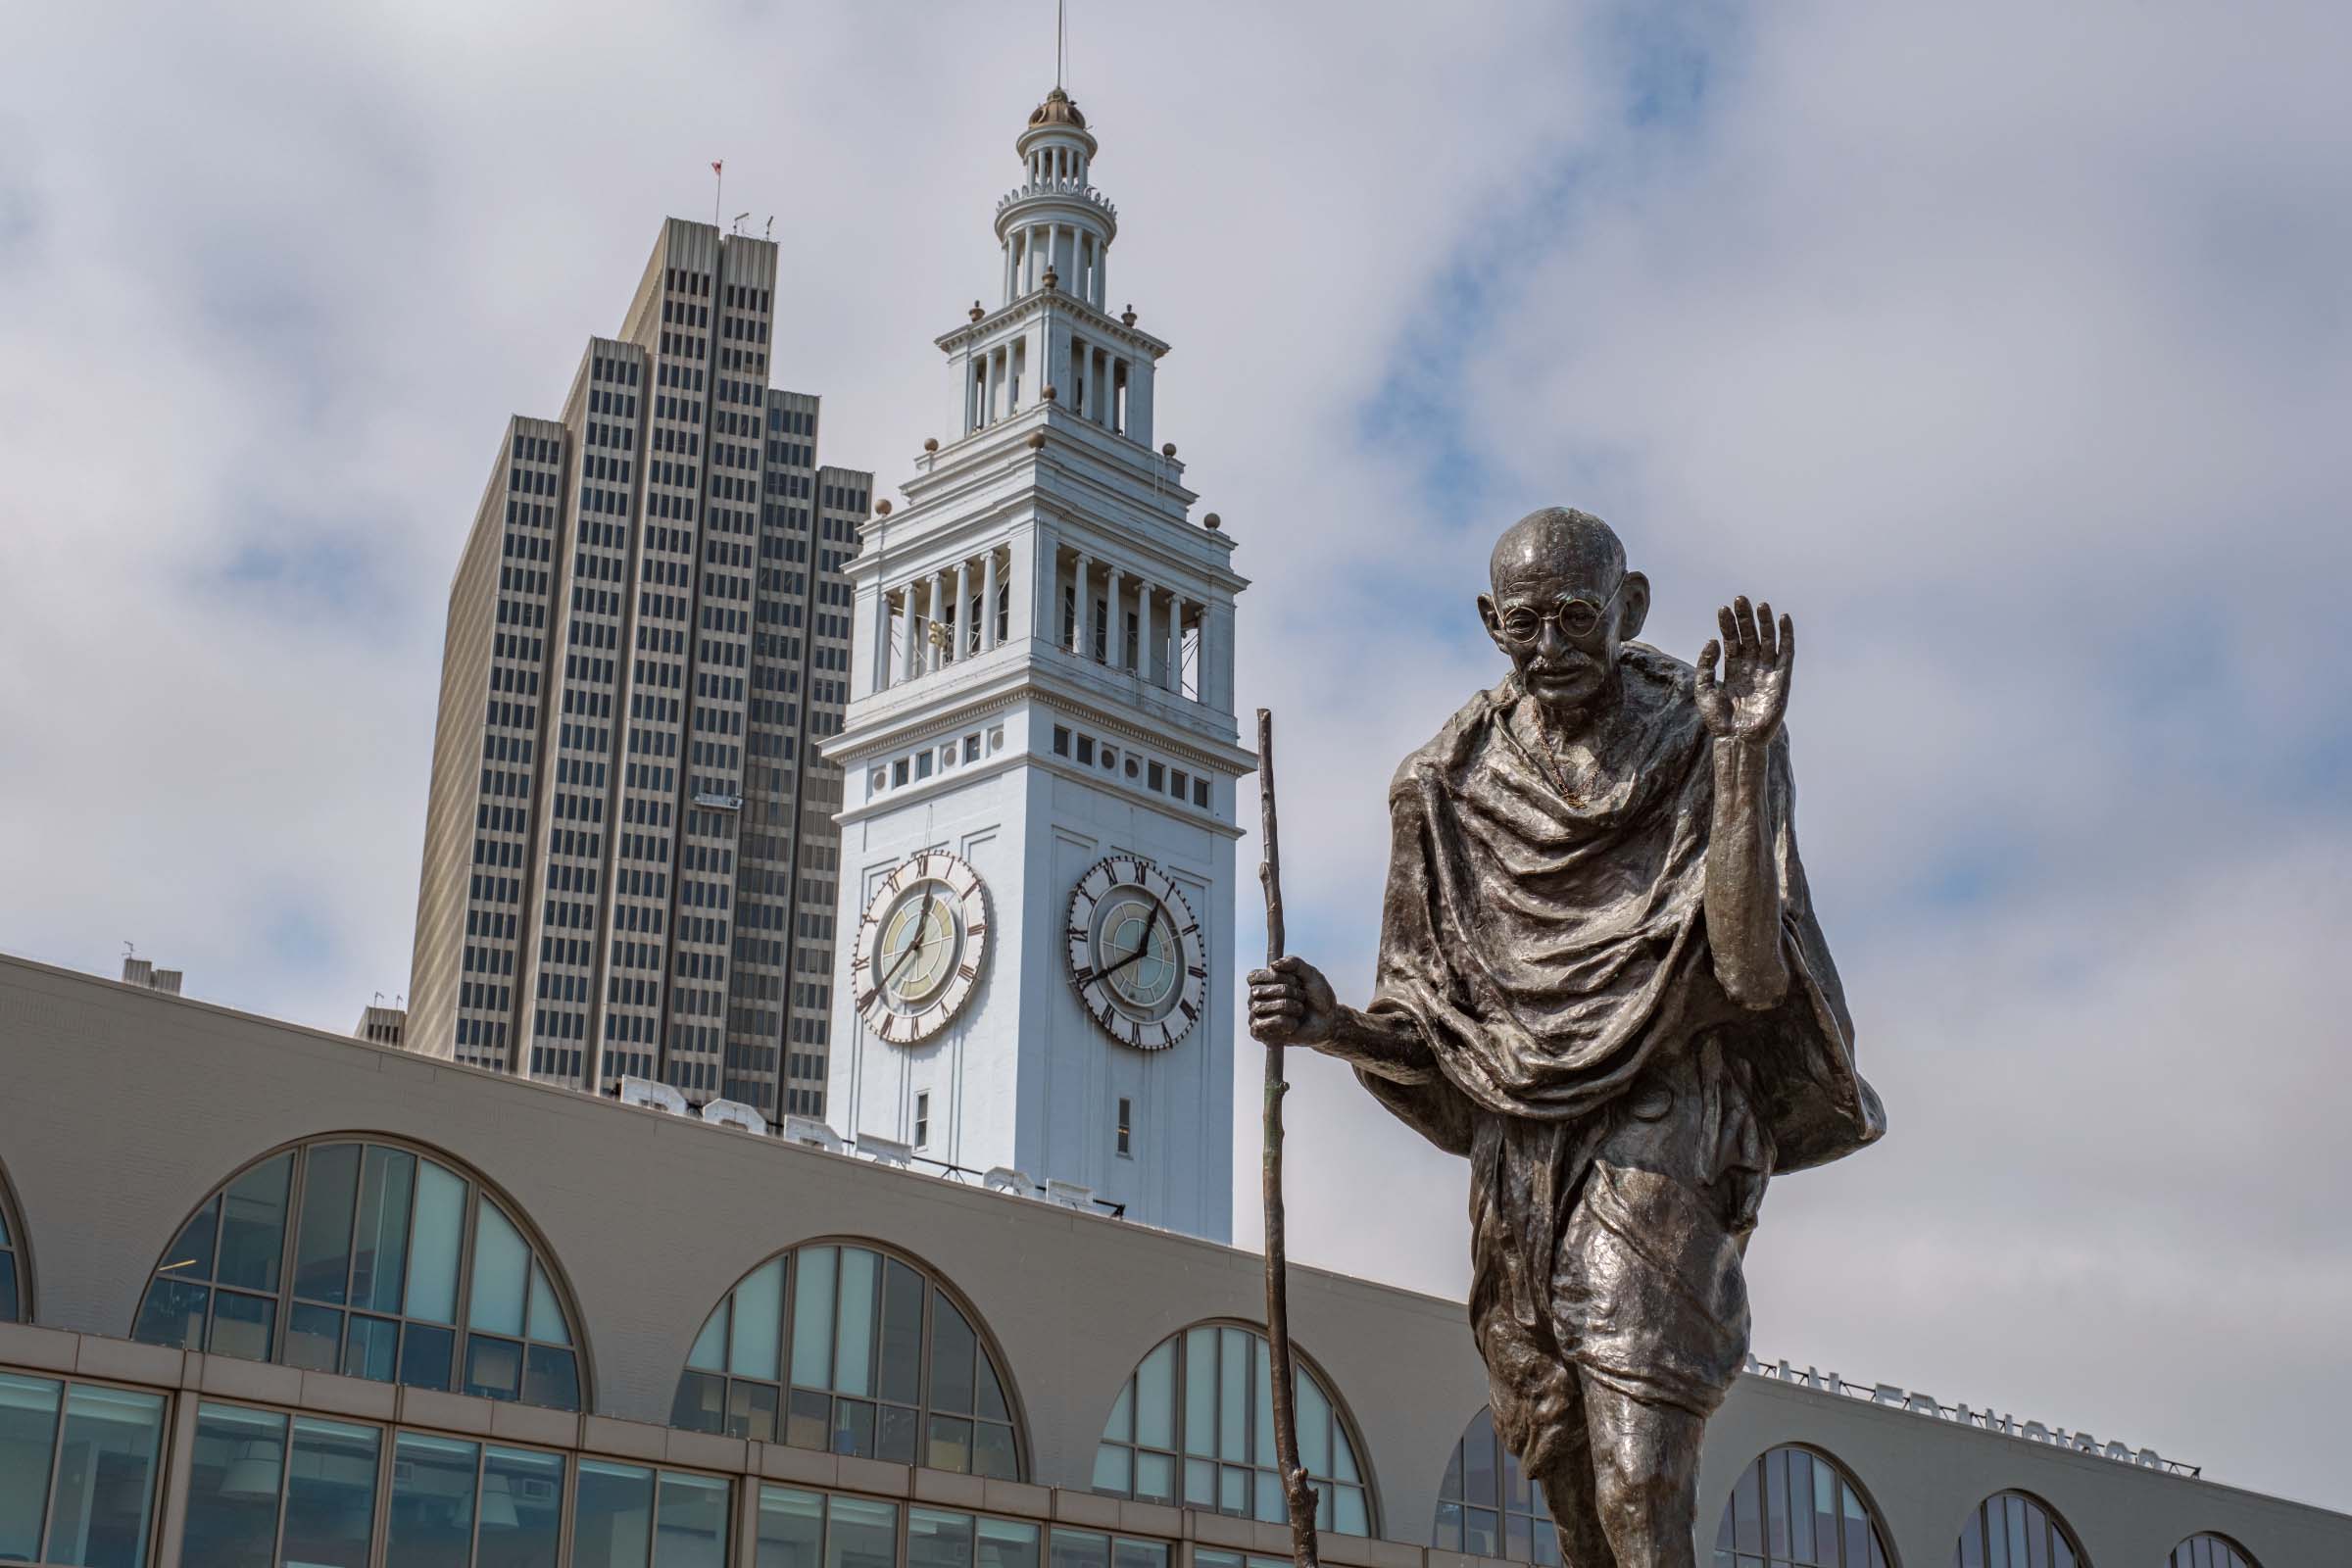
point(1062, 741)
point(1126, 1127)
point(922, 1118)
point(1086, 748)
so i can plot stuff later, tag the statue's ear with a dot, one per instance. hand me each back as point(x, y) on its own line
point(1493, 618)
point(1633, 605)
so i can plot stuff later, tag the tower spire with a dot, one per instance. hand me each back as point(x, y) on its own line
point(1061, 40)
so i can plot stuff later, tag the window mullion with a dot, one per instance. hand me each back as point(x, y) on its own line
point(57, 1450)
point(290, 1225)
point(285, 1485)
point(462, 1308)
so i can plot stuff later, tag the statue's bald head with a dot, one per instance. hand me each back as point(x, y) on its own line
point(1559, 542)
point(1562, 603)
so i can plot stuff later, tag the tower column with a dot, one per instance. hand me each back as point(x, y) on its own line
point(1085, 597)
point(1176, 644)
point(1114, 646)
point(883, 611)
point(1143, 630)
point(965, 642)
point(915, 643)
point(939, 620)
point(988, 603)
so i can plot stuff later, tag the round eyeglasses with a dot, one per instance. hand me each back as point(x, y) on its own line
point(1577, 619)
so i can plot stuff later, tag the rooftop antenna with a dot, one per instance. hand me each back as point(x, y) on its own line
point(717, 174)
point(380, 999)
point(1061, 39)
point(128, 951)
point(739, 217)
point(770, 231)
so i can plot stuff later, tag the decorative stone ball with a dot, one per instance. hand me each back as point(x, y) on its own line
point(930, 443)
point(1168, 450)
point(1048, 393)
point(882, 509)
point(977, 312)
point(1053, 278)
point(1212, 522)
point(1037, 440)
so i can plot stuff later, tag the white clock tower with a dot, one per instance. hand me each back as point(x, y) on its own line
point(1037, 825)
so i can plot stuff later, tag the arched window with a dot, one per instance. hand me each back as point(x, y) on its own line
point(1195, 1425)
point(2010, 1530)
point(852, 1349)
point(1486, 1507)
point(2211, 1551)
point(373, 1259)
point(1797, 1509)
point(16, 1280)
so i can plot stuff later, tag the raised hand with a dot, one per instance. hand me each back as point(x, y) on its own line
point(1291, 1004)
point(1748, 703)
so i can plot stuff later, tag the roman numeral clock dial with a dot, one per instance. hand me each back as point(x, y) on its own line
point(923, 946)
point(1136, 954)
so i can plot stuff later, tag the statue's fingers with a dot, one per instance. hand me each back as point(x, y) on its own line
point(1729, 625)
point(1744, 616)
point(1766, 645)
point(1261, 977)
point(1706, 674)
point(1787, 659)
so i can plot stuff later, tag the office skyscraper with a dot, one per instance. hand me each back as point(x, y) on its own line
point(629, 856)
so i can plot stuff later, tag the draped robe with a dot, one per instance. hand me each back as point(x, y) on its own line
point(1621, 1114)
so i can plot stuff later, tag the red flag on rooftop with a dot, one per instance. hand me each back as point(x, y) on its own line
point(715, 168)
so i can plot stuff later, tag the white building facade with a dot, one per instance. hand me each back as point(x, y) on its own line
point(1039, 754)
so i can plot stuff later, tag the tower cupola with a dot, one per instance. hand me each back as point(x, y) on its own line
point(1055, 219)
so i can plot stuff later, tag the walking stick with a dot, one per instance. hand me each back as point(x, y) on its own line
point(1298, 1493)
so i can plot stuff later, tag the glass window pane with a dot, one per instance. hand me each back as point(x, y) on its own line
point(700, 1405)
point(710, 1353)
point(330, 1494)
point(502, 1266)
point(379, 1250)
point(1155, 1476)
point(1262, 1375)
point(1478, 1533)
point(1200, 1483)
point(253, 1225)
point(1156, 1397)
point(792, 1529)
point(241, 1325)
point(808, 1420)
point(853, 1334)
point(546, 1323)
point(313, 1337)
point(1080, 1548)
point(993, 1451)
point(1800, 1506)
point(1201, 1391)
point(1120, 1428)
point(551, 1378)
point(371, 1350)
point(863, 1534)
point(1114, 1470)
point(522, 1508)
point(1270, 1509)
point(693, 1522)
point(1775, 1502)
point(1343, 1456)
point(425, 1355)
point(812, 1317)
point(897, 1428)
point(901, 1369)
point(751, 1410)
point(10, 1309)
point(173, 1313)
point(1139, 1554)
point(27, 1440)
point(432, 1501)
point(952, 1346)
point(1314, 1413)
point(938, 1539)
point(853, 1428)
point(993, 1406)
point(1233, 1395)
point(433, 1244)
point(236, 1471)
point(613, 1517)
point(105, 1478)
point(756, 1323)
point(493, 1367)
point(192, 1253)
point(330, 1183)
point(1352, 1518)
point(1006, 1543)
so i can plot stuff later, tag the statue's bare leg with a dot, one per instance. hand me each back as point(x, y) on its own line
point(1646, 1470)
point(1567, 1479)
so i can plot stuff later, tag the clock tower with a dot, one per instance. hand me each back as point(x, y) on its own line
point(1037, 859)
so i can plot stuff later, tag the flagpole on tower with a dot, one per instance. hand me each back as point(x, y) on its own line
point(718, 190)
point(1061, 40)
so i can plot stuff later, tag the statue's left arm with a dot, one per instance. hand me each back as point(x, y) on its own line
point(1742, 714)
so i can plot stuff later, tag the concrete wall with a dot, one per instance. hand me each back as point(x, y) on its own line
point(120, 1109)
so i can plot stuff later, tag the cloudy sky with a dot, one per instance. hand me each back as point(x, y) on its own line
point(2009, 346)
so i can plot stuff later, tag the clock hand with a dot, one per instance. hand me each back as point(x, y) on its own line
point(1151, 925)
point(911, 946)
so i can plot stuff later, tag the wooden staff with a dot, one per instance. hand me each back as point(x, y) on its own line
point(1298, 1492)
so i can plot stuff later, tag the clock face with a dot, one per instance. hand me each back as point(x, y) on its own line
point(1136, 954)
point(920, 947)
